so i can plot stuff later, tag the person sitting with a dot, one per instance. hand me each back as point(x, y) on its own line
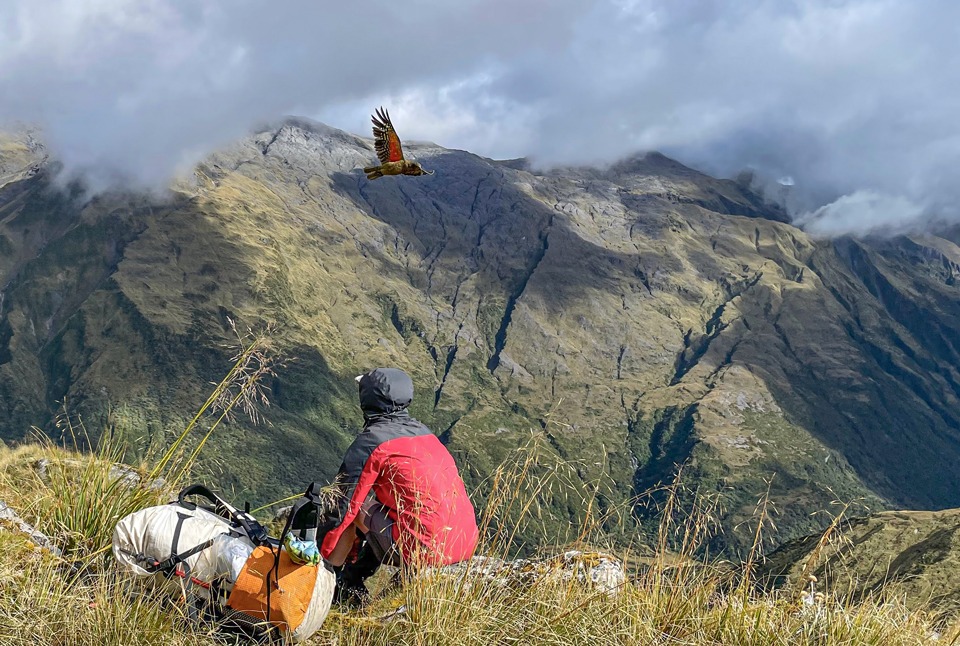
point(407, 502)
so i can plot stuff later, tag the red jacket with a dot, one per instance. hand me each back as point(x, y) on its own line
point(417, 480)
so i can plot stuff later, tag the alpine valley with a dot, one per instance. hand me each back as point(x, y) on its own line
point(639, 317)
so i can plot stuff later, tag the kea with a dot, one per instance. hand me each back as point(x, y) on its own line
point(388, 148)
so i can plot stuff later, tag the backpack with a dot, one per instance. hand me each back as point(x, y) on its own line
point(271, 589)
point(223, 561)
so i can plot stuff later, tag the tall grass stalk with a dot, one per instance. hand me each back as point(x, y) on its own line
point(242, 386)
point(82, 499)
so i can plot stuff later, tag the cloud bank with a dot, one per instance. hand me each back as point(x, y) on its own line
point(853, 101)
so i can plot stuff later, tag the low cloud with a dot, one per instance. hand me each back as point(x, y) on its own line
point(852, 100)
point(864, 212)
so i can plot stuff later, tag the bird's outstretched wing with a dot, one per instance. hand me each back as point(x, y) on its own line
point(386, 141)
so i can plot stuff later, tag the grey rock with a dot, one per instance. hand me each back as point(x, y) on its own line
point(127, 475)
point(598, 570)
point(10, 518)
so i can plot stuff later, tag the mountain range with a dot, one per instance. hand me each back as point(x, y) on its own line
point(639, 317)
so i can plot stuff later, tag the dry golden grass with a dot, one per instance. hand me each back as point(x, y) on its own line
point(668, 597)
point(697, 611)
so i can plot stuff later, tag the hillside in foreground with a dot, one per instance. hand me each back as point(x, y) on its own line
point(78, 599)
point(657, 315)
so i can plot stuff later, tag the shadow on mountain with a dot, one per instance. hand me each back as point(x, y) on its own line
point(469, 219)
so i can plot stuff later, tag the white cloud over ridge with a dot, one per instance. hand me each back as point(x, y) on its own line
point(846, 215)
point(852, 98)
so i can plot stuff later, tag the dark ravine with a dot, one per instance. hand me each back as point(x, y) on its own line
point(500, 339)
point(647, 314)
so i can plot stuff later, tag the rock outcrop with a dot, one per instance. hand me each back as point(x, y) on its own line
point(11, 521)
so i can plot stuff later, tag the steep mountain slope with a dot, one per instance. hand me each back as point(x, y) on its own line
point(643, 315)
point(912, 554)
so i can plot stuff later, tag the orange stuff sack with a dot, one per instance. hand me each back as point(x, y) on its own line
point(300, 596)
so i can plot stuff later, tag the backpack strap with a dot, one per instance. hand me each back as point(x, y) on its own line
point(250, 525)
point(310, 503)
point(219, 506)
point(252, 528)
point(169, 565)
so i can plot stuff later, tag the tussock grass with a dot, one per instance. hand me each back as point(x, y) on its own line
point(82, 498)
point(671, 596)
point(42, 602)
point(78, 598)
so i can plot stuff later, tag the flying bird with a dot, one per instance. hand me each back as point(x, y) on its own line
point(389, 150)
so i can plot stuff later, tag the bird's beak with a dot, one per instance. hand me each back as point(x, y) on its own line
point(429, 172)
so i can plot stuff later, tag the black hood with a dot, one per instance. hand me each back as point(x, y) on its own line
point(385, 391)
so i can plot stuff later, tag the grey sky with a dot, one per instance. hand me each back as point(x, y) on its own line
point(855, 100)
